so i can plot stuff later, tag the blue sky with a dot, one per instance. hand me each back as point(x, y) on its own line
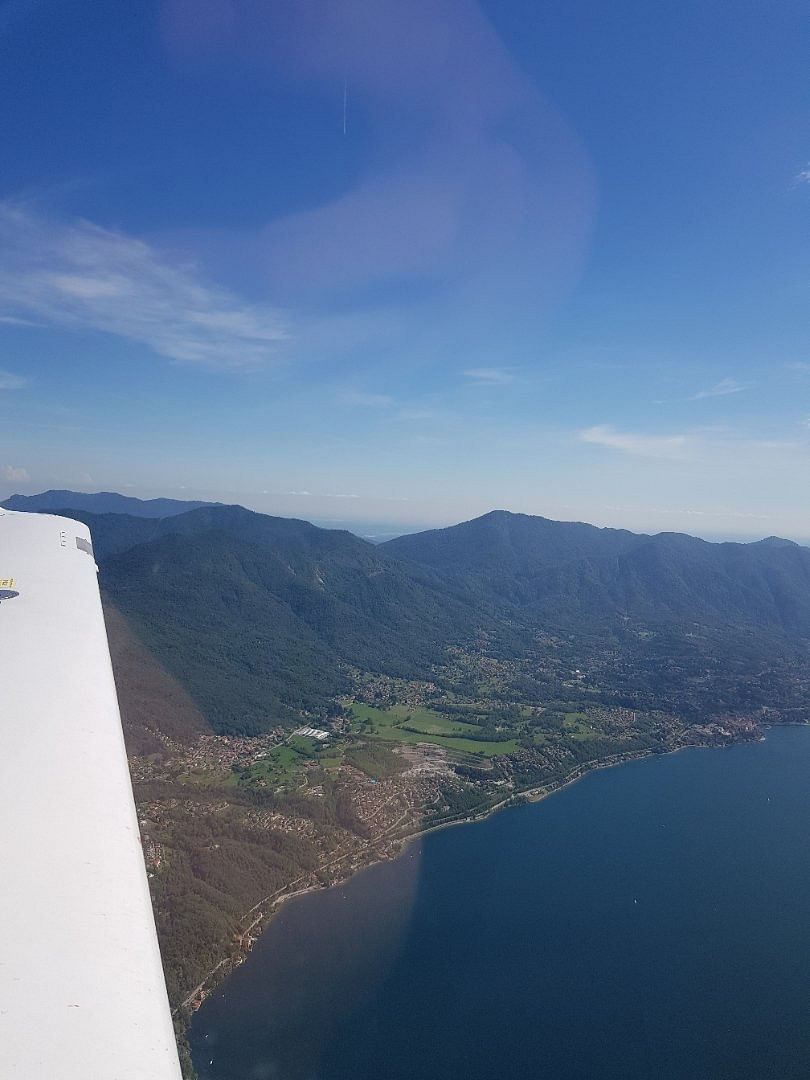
point(363, 261)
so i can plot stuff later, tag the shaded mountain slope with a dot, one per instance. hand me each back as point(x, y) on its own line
point(563, 573)
point(516, 543)
point(101, 502)
point(154, 706)
point(112, 533)
point(289, 537)
point(261, 617)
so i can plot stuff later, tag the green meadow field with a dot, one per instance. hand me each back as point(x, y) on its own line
point(403, 724)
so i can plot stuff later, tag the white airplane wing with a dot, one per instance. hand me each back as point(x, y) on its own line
point(82, 993)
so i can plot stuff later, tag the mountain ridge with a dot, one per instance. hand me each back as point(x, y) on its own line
point(266, 619)
point(556, 567)
point(232, 600)
point(101, 502)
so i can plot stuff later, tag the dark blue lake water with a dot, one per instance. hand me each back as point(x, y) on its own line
point(651, 921)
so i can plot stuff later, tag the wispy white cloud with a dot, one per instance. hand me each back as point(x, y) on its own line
point(84, 277)
point(10, 381)
point(639, 445)
point(15, 474)
point(802, 176)
point(491, 376)
point(721, 389)
point(409, 216)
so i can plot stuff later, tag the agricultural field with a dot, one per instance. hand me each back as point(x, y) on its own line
point(400, 723)
point(575, 725)
point(278, 767)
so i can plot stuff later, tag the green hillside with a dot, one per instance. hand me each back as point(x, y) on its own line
point(266, 619)
point(568, 573)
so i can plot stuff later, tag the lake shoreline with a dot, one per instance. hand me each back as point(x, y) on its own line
point(273, 903)
point(635, 841)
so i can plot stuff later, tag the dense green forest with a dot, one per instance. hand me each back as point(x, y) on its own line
point(263, 619)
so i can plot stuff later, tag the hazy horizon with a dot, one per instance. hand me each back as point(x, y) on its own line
point(382, 529)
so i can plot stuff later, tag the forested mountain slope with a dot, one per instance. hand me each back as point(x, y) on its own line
point(261, 618)
point(566, 571)
point(511, 543)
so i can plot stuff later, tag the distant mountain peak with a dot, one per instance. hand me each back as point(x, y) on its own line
point(777, 542)
point(503, 539)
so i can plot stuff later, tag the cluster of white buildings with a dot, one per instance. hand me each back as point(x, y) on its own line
point(312, 733)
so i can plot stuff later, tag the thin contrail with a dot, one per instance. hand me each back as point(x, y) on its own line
point(345, 99)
